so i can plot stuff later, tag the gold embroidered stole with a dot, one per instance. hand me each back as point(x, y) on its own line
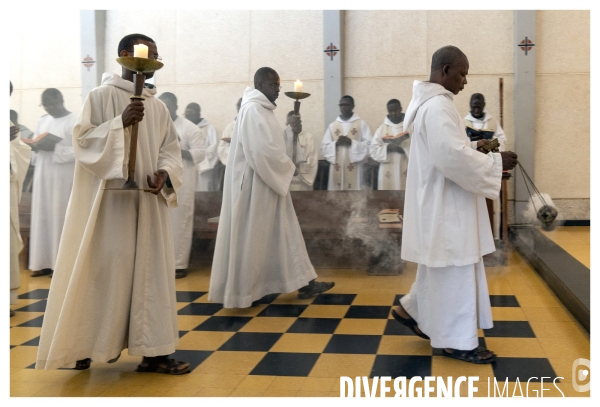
point(345, 178)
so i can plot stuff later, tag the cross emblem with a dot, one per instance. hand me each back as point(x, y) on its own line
point(331, 50)
point(388, 175)
point(337, 132)
point(88, 62)
point(354, 132)
point(350, 167)
point(336, 166)
point(526, 45)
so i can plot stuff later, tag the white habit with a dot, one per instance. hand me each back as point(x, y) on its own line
point(393, 166)
point(206, 173)
point(114, 282)
point(488, 123)
point(52, 180)
point(346, 169)
point(259, 249)
point(223, 149)
point(182, 217)
point(446, 226)
point(305, 151)
point(20, 155)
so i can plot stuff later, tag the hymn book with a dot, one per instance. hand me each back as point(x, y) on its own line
point(44, 141)
point(476, 135)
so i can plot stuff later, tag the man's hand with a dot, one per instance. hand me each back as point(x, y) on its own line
point(509, 160)
point(296, 124)
point(14, 130)
point(160, 178)
point(506, 175)
point(343, 141)
point(133, 113)
point(186, 155)
point(395, 148)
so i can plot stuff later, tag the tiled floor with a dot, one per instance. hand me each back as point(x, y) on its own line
point(575, 240)
point(290, 347)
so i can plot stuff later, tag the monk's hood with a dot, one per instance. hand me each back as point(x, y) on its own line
point(254, 95)
point(115, 80)
point(422, 92)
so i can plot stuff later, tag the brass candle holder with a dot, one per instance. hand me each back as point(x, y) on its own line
point(298, 96)
point(139, 66)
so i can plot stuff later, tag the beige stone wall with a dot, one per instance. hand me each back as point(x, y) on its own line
point(43, 52)
point(210, 58)
point(562, 159)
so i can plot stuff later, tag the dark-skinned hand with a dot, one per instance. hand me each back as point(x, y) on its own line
point(14, 130)
point(509, 160)
point(186, 155)
point(296, 124)
point(160, 178)
point(133, 113)
point(343, 141)
point(506, 175)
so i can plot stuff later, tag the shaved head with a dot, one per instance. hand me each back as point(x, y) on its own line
point(169, 96)
point(194, 106)
point(448, 55)
point(263, 74)
point(477, 97)
point(52, 94)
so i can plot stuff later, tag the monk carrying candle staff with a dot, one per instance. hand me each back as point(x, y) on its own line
point(114, 280)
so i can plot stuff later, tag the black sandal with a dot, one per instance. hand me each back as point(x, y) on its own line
point(83, 364)
point(471, 356)
point(163, 365)
point(410, 323)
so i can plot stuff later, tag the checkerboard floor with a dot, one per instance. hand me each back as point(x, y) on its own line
point(284, 346)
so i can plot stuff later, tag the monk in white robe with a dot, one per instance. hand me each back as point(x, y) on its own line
point(479, 119)
point(53, 180)
point(191, 142)
point(114, 285)
point(390, 147)
point(259, 249)
point(346, 146)
point(446, 229)
point(20, 155)
point(207, 179)
point(25, 134)
point(225, 142)
point(306, 156)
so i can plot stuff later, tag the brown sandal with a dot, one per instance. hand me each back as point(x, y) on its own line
point(163, 365)
point(42, 272)
point(83, 364)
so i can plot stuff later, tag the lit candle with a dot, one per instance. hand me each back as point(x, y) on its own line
point(298, 86)
point(140, 51)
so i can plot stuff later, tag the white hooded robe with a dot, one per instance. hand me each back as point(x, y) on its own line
point(393, 166)
point(182, 217)
point(52, 183)
point(446, 226)
point(259, 249)
point(114, 281)
point(356, 153)
point(20, 155)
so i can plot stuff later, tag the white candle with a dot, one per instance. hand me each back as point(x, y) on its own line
point(298, 86)
point(140, 51)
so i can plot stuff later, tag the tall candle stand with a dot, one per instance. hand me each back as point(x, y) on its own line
point(298, 96)
point(139, 66)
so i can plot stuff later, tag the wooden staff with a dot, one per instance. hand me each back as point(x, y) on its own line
point(504, 182)
point(295, 140)
point(138, 80)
